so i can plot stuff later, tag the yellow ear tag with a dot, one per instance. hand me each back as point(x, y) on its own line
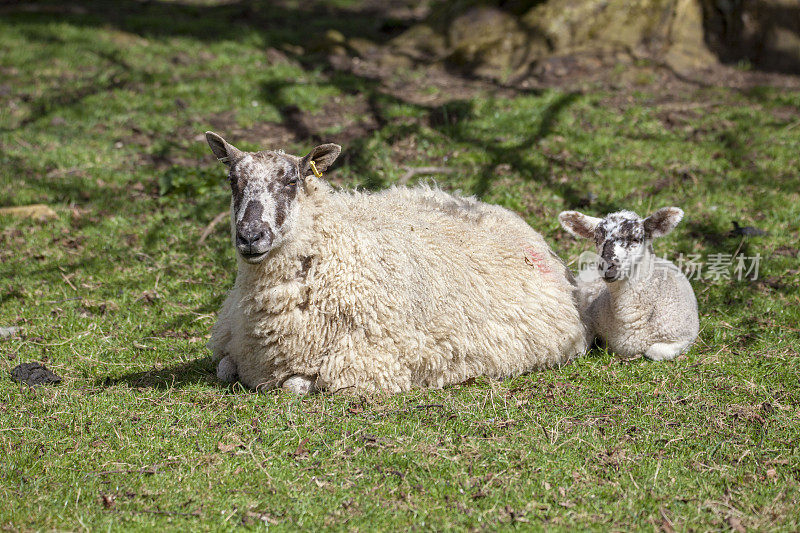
point(317, 173)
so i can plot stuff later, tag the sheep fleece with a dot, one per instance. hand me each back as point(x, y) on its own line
point(408, 287)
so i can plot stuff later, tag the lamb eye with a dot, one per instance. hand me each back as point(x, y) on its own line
point(292, 182)
point(600, 235)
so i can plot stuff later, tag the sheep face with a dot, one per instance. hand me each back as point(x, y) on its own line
point(264, 190)
point(622, 238)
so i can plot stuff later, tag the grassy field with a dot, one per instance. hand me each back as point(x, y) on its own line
point(102, 110)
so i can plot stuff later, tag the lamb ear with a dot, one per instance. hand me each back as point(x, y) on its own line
point(662, 221)
point(578, 224)
point(224, 152)
point(323, 156)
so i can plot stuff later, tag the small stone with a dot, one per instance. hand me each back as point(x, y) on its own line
point(34, 374)
point(335, 36)
point(393, 61)
point(362, 47)
point(294, 49)
point(420, 42)
point(277, 57)
point(332, 42)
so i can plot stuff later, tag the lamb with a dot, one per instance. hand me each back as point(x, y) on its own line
point(381, 292)
point(643, 304)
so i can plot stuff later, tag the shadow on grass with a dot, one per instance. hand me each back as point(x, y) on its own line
point(288, 27)
point(237, 20)
point(197, 371)
point(296, 29)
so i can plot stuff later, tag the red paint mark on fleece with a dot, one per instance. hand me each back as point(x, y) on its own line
point(536, 259)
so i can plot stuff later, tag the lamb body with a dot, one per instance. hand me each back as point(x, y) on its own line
point(408, 287)
point(643, 304)
point(655, 317)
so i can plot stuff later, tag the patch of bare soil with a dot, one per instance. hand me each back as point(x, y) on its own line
point(422, 84)
point(431, 84)
point(353, 119)
point(370, 75)
point(270, 135)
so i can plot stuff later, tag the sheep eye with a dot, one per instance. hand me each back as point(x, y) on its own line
point(292, 182)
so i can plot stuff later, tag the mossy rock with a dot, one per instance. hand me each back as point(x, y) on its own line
point(489, 42)
point(421, 41)
point(671, 29)
point(492, 42)
point(611, 24)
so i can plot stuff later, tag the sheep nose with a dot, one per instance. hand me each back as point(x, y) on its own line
point(249, 239)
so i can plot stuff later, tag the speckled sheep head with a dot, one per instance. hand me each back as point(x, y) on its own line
point(264, 188)
point(622, 238)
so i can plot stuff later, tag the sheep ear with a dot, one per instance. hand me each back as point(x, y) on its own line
point(662, 221)
point(578, 224)
point(323, 156)
point(223, 151)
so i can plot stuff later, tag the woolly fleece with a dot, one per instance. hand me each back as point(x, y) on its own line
point(399, 289)
point(654, 315)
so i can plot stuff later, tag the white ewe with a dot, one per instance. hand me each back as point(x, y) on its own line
point(643, 304)
point(381, 292)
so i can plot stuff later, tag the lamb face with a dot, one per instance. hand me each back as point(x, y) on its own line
point(621, 243)
point(622, 238)
point(264, 189)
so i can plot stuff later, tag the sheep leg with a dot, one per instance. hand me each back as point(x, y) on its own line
point(663, 351)
point(226, 370)
point(298, 384)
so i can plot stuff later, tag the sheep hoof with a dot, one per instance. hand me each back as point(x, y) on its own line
point(299, 385)
point(226, 370)
point(662, 351)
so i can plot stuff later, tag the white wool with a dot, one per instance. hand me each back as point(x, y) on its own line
point(399, 289)
point(650, 312)
point(653, 314)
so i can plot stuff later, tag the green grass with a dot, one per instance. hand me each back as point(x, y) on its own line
point(100, 113)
